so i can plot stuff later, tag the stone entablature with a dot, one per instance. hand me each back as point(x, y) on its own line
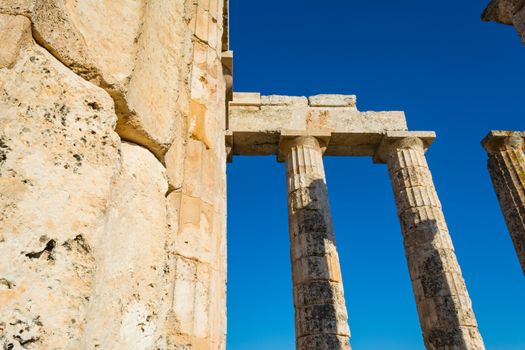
point(299, 131)
point(257, 123)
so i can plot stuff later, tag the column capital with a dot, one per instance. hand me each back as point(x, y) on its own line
point(290, 138)
point(499, 140)
point(395, 140)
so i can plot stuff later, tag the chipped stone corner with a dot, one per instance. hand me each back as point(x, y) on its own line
point(510, 12)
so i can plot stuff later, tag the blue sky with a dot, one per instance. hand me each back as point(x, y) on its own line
point(450, 73)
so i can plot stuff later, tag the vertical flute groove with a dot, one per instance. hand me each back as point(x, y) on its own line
point(444, 306)
point(506, 166)
point(321, 320)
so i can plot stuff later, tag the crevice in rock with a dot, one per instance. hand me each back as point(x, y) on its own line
point(172, 189)
point(4, 149)
point(25, 342)
point(50, 246)
point(125, 128)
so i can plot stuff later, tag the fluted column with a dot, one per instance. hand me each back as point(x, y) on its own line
point(445, 310)
point(321, 320)
point(506, 165)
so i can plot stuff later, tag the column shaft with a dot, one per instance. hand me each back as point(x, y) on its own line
point(321, 320)
point(444, 306)
point(506, 166)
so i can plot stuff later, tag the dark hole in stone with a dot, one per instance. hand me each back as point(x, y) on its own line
point(94, 106)
point(51, 244)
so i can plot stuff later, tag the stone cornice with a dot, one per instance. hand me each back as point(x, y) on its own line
point(258, 125)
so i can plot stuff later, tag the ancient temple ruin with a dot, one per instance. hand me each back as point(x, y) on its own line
point(299, 131)
point(117, 119)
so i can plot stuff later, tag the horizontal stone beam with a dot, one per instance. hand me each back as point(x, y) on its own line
point(257, 124)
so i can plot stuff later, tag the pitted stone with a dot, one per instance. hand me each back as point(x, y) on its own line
point(444, 306)
point(320, 309)
point(510, 12)
point(333, 101)
point(322, 318)
point(323, 342)
point(279, 100)
point(506, 166)
point(318, 292)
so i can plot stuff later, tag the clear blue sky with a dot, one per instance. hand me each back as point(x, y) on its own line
point(450, 73)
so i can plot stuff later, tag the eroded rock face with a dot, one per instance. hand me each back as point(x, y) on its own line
point(127, 297)
point(138, 51)
point(14, 30)
point(99, 248)
point(502, 10)
point(507, 12)
point(58, 155)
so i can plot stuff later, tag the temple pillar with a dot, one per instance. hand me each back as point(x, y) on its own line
point(444, 306)
point(321, 320)
point(506, 165)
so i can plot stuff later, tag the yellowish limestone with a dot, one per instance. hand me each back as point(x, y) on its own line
point(128, 238)
point(58, 155)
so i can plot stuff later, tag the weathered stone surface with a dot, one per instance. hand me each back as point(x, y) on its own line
point(320, 311)
point(444, 306)
point(332, 101)
point(278, 100)
point(15, 33)
point(128, 300)
point(519, 22)
point(506, 166)
point(502, 10)
point(196, 169)
point(16, 7)
point(324, 342)
point(197, 229)
point(156, 103)
point(257, 123)
point(58, 154)
point(153, 41)
point(246, 99)
point(507, 12)
point(88, 228)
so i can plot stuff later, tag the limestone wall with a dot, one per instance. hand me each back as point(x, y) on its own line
point(112, 175)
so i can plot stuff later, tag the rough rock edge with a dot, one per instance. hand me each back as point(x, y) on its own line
point(128, 129)
point(33, 327)
point(502, 11)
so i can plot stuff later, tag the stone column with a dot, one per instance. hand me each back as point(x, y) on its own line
point(443, 303)
point(506, 165)
point(321, 320)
